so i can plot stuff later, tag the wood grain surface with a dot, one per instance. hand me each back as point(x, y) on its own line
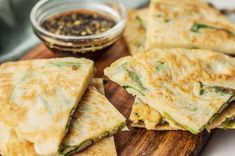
point(136, 141)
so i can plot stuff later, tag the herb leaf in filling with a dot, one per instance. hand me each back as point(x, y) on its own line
point(135, 81)
point(197, 26)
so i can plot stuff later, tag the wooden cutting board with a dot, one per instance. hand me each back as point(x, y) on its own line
point(136, 141)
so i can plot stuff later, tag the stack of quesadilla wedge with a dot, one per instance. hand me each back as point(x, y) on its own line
point(178, 89)
point(94, 119)
point(51, 110)
point(168, 24)
point(191, 24)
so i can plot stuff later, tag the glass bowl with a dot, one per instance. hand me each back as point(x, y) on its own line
point(46, 9)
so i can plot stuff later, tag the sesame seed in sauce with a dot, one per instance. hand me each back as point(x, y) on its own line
point(78, 23)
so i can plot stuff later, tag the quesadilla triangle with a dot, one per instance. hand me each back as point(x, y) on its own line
point(192, 24)
point(144, 116)
point(180, 84)
point(94, 119)
point(135, 32)
point(41, 95)
point(105, 146)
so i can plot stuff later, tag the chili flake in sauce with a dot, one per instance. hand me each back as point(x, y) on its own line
point(78, 23)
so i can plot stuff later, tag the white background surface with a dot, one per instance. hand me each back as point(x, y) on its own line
point(222, 142)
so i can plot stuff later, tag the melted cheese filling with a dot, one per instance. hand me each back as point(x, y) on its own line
point(142, 112)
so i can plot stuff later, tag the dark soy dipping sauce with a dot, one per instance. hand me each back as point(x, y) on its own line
point(78, 23)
